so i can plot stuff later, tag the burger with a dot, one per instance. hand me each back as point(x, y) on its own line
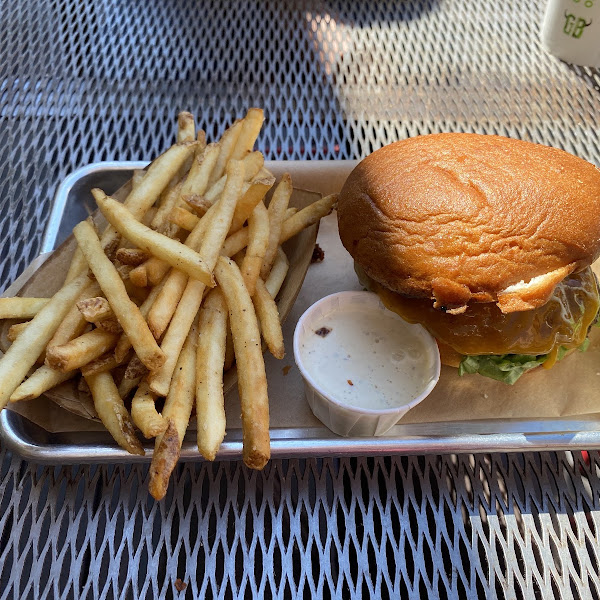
point(486, 241)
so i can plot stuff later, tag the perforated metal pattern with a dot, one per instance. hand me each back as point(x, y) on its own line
point(84, 82)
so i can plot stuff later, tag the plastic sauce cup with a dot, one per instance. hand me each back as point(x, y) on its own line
point(363, 366)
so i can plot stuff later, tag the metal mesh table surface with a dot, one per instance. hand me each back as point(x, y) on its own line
point(84, 82)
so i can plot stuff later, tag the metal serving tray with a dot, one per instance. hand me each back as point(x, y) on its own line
point(73, 202)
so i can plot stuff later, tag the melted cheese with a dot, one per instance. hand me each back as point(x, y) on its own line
point(483, 329)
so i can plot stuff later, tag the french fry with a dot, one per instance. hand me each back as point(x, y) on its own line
point(40, 381)
point(277, 208)
point(80, 350)
point(77, 266)
point(183, 218)
point(156, 270)
point(176, 411)
point(112, 412)
point(24, 351)
point(21, 308)
point(132, 256)
point(253, 195)
point(291, 210)
point(210, 360)
point(126, 386)
point(268, 317)
point(14, 331)
point(144, 413)
point(227, 144)
point(258, 241)
point(158, 175)
point(139, 276)
point(111, 325)
point(198, 177)
point(306, 217)
point(278, 272)
point(253, 164)
point(252, 379)
point(169, 199)
point(124, 344)
point(229, 352)
point(191, 299)
point(95, 309)
point(186, 127)
point(103, 363)
point(136, 178)
point(125, 310)
point(175, 253)
point(251, 126)
point(135, 369)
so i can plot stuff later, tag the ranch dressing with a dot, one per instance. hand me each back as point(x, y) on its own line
point(368, 359)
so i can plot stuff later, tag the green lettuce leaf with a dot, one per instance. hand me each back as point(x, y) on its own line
point(501, 367)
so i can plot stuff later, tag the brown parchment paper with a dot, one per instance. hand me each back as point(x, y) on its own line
point(570, 389)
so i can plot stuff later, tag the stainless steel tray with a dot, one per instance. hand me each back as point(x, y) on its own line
point(301, 435)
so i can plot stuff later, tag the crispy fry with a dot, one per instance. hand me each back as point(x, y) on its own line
point(160, 172)
point(132, 256)
point(112, 412)
point(199, 175)
point(277, 208)
point(251, 127)
point(252, 379)
point(175, 253)
point(278, 273)
point(135, 369)
point(40, 381)
point(229, 352)
point(126, 386)
point(136, 178)
point(144, 413)
point(258, 241)
point(124, 344)
point(21, 308)
point(183, 218)
point(210, 360)
point(186, 127)
point(24, 351)
point(106, 362)
point(14, 331)
point(227, 144)
point(80, 351)
point(253, 164)
point(252, 196)
point(95, 309)
point(169, 198)
point(192, 296)
point(268, 316)
point(156, 269)
point(139, 276)
point(177, 411)
point(306, 217)
point(125, 310)
point(77, 266)
point(110, 325)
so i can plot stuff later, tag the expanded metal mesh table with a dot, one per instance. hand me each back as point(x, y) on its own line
point(85, 82)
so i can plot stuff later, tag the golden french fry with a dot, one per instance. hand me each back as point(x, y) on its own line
point(14, 331)
point(186, 127)
point(139, 276)
point(112, 412)
point(124, 344)
point(40, 381)
point(255, 194)
point(177, 411)
point(278, 272)
point(158, 175)
point(169, 199)
point(111, 325)
point(21, 308)
point(125, 310)
point(306, 217)
point(277, 207)
point(227, 144)
point(258, 241)
point(252, 379)
point(77, 266)
point(175, 253)
point(144, 413)
point(126, 386)
point(268, 317)
point(183, 218)
point(251, 126)
point(132, 256)
point(24, 351)
point(156, 270)
point(253, 168)
point(95, 309)
point(106, 362)
point(220, 222)
point(199, 205)
point(210, 360)
point(198, 177)
point(201, 139)
point(161, 312)
point(136, 178)
point(80, 350)
point(135, 369)
point(291, 210)
point(229, 352)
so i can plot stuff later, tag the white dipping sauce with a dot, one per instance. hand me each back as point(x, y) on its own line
point(366, 358)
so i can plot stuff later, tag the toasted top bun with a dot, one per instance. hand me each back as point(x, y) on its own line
point(461, 217)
